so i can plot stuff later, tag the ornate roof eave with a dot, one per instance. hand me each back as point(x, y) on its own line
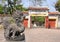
point(38, 8)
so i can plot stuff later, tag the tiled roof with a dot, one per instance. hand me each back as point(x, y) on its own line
point(54, 12)
point(26, 12)
point(38, 8)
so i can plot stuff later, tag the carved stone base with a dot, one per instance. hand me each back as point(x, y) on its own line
point(17, 37)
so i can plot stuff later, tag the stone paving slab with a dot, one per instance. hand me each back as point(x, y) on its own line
point(42, 35)
point(37, 35)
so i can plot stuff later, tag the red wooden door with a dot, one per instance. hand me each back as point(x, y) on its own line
point(25, 23)
point(52, 23)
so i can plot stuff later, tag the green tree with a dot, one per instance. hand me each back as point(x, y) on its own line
point(21, 8)
point(14, 5)
point(58, 5)
point(11, 5)
point(38, 18)
point(1, 9)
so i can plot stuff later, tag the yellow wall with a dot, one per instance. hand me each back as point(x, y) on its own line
point(39, 14)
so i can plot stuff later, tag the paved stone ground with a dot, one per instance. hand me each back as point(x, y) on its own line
point(42, 35)
point(37, 35)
